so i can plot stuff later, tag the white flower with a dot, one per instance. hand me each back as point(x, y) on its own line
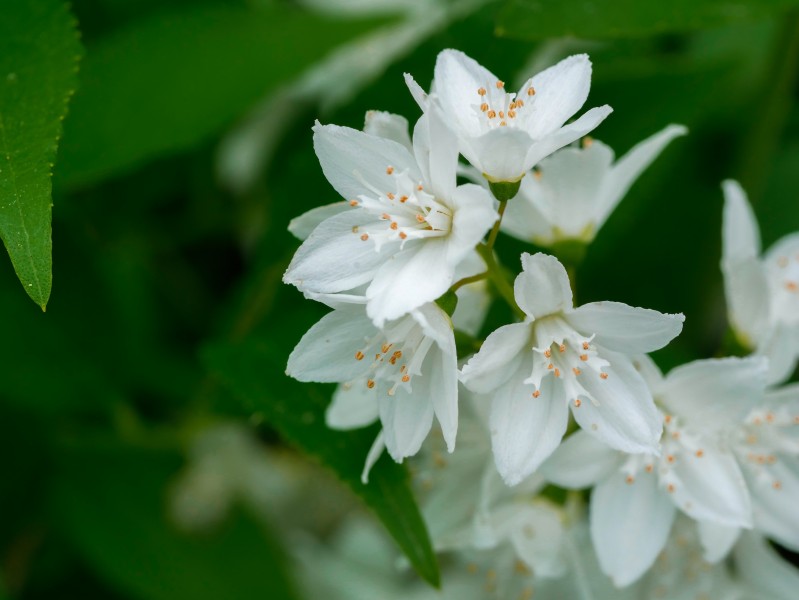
point(561, 356)
point(408, 227)
point(696, 471)
point(505, 134)
point(762, 292)
point(764, 573)
point(573, 192)
point(403, 374)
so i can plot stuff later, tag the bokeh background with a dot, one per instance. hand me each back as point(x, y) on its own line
point(151, 446)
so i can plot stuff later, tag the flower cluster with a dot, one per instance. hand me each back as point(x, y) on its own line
point(709, 452)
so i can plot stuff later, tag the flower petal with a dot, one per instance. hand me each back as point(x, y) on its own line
point(560, 91)
point(765, 571)
point(457, 79)
point(371, 457)
point(500, 154)
point(354, 405)
point(525, 430)
point(409, 279)
point(334, 259)
point(421, 97)
point(326, 353)
point(407, 419)
point(542, 288)
point(624, 328)
point(717, 540)
point(630, 523)
point(388, 126)
point(747, 294)
point(473, 216)
point(355, 162)
point(436, 150)
point(622, 413)
point(780, 346)
point(775, 503)
point(302, 226)
point(715, 392)
point(581, 461)
point(525, 218)
point(629, 167)
point(498, 358)
point(565, 135)
point(740, 235)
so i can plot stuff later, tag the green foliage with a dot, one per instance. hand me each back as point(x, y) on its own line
point(255, 375)
point(39, 52)
point(110, 500)
point(541, 19)
point(167, 82)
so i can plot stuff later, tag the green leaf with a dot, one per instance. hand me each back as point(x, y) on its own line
point(110, 499)
point(254, 373)
point(39, 52)
point(540, 19)
point(171, 80)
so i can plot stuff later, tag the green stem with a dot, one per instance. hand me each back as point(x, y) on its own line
point(497, 277)
point(492, 237)
point(467, 280)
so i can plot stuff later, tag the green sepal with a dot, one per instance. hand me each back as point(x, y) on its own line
point(448, 302)
point(504, 190)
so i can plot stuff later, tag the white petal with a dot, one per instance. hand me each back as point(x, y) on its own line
point(407, 418)
point(711, 488)
point(525, 430)
point(441, 367)
point(417, 92)
point(350, 157)
point(326, 353)
point(624, 328)
point(630, 166)
point(436, 150)
point(334, 259)
point(630, 523)
point(775, 507)
point(717, 540)
point(353, 405)
point(457, 79)
point(716, 392)
point(542, 288)
point(524, 219)
point(500, 154)
point(566, 135)
point(388, 126)
point(765, 571)
point(649, 371)
point(747, 294)
point(412, 277)
point(624, 416)
point(371, 458)
point(560, 91)
point(740, 235)
point(581, 461)
point(780, 346)
point(473, 216)
point(498, 358)
point(536, 533)
point(302, 226)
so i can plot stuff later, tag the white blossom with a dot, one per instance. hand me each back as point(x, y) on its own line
point(504, 134)
point(561, 357)
point(762, 291)
point(408, 226)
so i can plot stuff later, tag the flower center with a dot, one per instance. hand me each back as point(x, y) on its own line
point(497, 108)
point(783, 277)
point(396, 355)
point(405, 213)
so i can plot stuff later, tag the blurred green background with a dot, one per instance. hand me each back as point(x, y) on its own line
point(185, 152)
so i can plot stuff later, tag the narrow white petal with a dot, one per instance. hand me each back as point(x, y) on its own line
point(407, 418)
point(624, 328)
point(716, 392)
point(765, 571)
point(630, 166)
point(353, 405)
point(436, 150)
point(351, 158)
point(630, 523)
point(622, 413)
point(542, 288)
point(747, 294)
point(457, 79)
point(417, 92)
point(524, 218)
point(371, 457)
point(649, 370)
point(780, 346)
point(302, 226)
point(473, 216)
point(525, 430)
point(711, 487)
point(408, 279)
point(536, 533)
point(560, 91)
point(326, 353)
point(388, 126)
point(774, 501)
point(717, 540)
point(739, 235)
point(566, 135)
point(501, 153)
point(581, 461)
point(334, 259)
point(498, 358)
